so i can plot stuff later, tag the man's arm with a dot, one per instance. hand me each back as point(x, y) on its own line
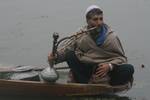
point(116, 48)
point(61, 54)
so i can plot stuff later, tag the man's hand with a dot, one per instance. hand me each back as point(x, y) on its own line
point(102, 70)
point(51, 57)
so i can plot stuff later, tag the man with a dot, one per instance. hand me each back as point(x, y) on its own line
point(97, 54)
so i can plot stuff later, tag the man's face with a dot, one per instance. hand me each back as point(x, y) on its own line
point(95, 21)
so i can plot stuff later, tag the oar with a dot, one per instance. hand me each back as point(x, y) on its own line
point(21, 68)
point(12, 69)
point(6, 69)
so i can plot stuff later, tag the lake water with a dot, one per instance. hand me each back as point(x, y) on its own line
point(26, 28)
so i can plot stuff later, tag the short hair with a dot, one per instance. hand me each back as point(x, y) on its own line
point(93, 12)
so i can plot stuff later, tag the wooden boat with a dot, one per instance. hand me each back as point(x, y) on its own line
point(22, 87)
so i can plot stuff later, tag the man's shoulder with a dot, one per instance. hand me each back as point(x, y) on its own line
point(110, 31)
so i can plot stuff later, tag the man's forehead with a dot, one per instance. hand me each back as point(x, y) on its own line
point(101, 15)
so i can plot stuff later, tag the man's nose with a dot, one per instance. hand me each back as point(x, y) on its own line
point(98, 22)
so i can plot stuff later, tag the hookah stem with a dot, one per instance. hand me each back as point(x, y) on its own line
point(72, 37)
point(54, 48)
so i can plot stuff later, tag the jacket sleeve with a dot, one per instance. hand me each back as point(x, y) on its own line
point(61, 55)
point(119, 51)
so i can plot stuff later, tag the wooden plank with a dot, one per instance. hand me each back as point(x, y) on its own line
point(14, 87)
